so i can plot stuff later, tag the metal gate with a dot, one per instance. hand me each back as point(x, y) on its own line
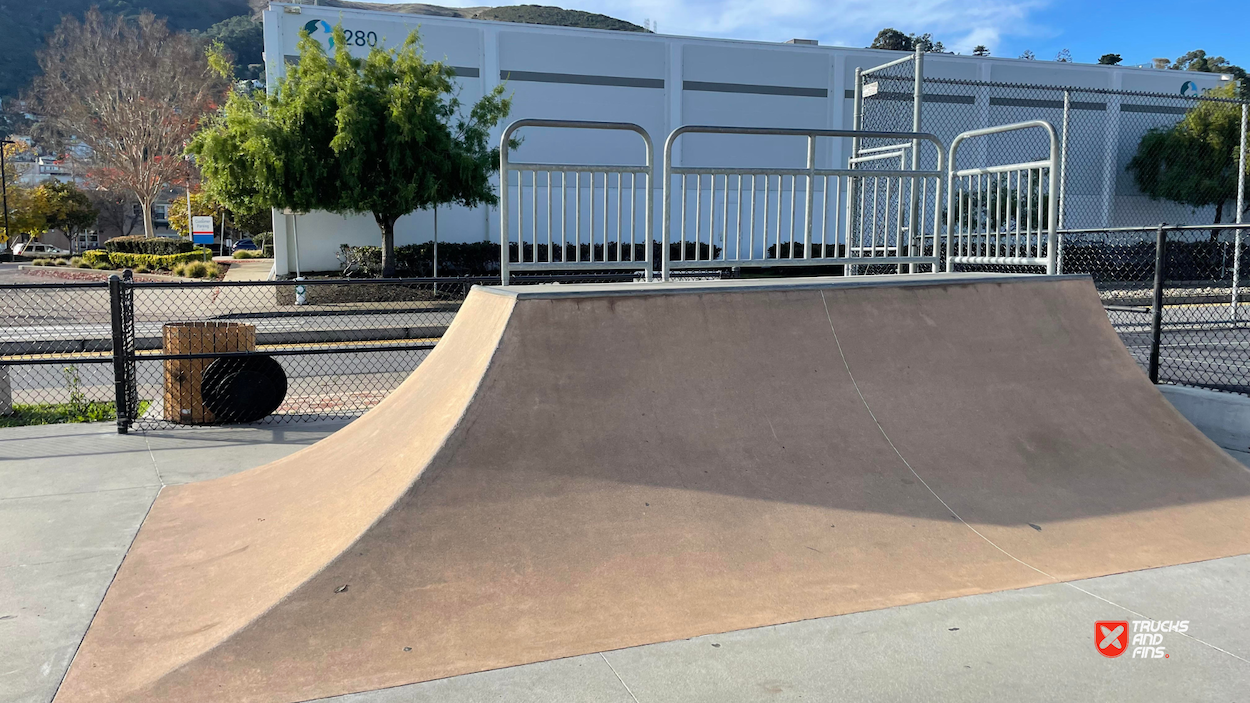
point(741, 216)
point(549, 242)
point(1003, 215)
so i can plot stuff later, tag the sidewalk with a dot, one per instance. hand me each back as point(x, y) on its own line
point(73, 496)
point(247, 269)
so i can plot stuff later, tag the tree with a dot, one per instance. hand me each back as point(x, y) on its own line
point(1064, 56)
point(1194, 162)
point(980, 50)
point(1110, 59)
point(27, 210)
point(244, 38)
point(1028, 55)
point(117, 212)
point(68, 209)
point(201, 204)
point(383, 135)
point(1197, 60)
point(132, 91)
point(894, 40)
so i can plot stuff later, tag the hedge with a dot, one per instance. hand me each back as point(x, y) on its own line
point(152, 261)
point(482, 258)
point(417, 260)
point(139, 244)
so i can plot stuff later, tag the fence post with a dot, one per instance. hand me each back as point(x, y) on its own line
point(1241, 204)
point(1156, 308)
point(120, 381)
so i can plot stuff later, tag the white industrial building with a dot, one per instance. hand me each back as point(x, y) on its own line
point(656, 81)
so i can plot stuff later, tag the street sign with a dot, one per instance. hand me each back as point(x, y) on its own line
point(202, 229)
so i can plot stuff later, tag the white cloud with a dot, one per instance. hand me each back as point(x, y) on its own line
point(960, 24)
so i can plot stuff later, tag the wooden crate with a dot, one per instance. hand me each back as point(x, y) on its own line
point(184, 403)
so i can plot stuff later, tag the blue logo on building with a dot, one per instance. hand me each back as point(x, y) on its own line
point(314, 25)
point(1188, 88)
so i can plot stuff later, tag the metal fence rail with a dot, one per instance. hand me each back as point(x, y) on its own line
point(731, 217)
point(604, 202)
point(1003, 215)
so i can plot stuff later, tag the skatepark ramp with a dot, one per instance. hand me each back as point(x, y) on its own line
point(577, 468)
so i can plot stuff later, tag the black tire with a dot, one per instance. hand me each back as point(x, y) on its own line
point(243, 389)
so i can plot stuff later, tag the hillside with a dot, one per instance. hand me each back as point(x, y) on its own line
point(526, 14)
point(29, 21)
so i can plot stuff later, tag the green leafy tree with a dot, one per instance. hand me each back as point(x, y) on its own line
point(980, 50)
point(1064, 56)
point(1110, 59)
point(894, 40)
point(244, 38)
point(67, 208)
point(1195, 162)
point(383, 135)
point(1028, 55)
point(1197, 60)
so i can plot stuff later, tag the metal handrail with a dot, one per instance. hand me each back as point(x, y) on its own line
point(647, 170)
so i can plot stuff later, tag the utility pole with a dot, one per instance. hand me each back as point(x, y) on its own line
point(4, 187)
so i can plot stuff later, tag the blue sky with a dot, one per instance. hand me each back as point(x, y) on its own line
point(1139, 30)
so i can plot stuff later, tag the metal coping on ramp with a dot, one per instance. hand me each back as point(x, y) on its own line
point(553, 291)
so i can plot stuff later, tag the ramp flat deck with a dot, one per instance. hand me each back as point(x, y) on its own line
point(577, 469)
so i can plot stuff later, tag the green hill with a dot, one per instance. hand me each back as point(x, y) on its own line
point(27, 22)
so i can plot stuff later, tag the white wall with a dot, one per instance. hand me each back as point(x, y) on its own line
point(659, 82)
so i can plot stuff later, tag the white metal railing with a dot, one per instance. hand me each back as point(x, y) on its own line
point(802, 216)
point(580, 216)
point(1003, 215)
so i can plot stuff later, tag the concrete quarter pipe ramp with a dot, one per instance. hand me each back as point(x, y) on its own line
point(583, 468)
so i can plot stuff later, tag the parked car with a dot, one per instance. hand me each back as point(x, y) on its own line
point(244, 245)
point(36, 250)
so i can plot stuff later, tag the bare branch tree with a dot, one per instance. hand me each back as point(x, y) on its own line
point(133, 92)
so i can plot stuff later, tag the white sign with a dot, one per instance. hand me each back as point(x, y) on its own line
point(202, 224)
point(870, 89)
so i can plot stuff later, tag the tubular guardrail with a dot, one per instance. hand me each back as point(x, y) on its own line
point(855, 228)
point(570, 248)
point(1003, 215)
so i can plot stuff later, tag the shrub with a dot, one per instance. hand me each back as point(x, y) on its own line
point(40, 262)
point(139, 244)
point(263, 239)
point(103, 267)
point(141, 268)
point(79, 263)
point(152, 261)
point(61, 262)
point(178, 269)
point(245, 254)
point(417, 260)
point(200, 269)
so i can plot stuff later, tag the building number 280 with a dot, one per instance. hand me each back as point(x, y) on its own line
point(359, 38)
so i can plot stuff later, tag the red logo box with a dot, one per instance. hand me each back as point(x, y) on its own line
point(1111, 637)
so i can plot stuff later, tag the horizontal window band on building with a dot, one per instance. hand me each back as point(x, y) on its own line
point(710, 87)
point(1156, 109)
point(581, 79)
point(460, 71)
point(928, 97)
point(1053, 104)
